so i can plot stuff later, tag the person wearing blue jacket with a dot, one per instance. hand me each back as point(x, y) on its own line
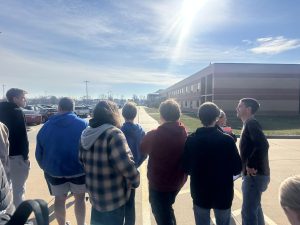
point(134, 134)
point(57, 153)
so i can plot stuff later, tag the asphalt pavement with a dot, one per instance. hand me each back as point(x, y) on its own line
point(284, 161)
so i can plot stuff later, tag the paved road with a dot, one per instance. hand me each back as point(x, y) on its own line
point(284, 161)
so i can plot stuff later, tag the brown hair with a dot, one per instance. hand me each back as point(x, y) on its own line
point(129, 111)
point(105, 112)
point(66, 104)
point(252, 103)
point(14, 92)
point(170, 110)
point(208, 112)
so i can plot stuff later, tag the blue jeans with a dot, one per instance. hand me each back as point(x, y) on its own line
point(161, 205)
point(115, 217)
point(252, 188)
point(202, 216)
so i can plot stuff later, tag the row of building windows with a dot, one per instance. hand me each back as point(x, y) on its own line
point(205, 87)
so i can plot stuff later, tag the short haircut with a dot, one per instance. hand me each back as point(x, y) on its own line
point(105, 112)
point(252, 103)
point(170, 110)
point(66, 104)
point(129, 111)
point(289, 193)
point(208, 113)
point(14, 92)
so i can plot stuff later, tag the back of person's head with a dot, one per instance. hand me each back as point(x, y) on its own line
point(170, 110)
point(129, 111)
point(66, 104)
point(289, 193)
point(105, 112)
point(222, 113)
point(14, 92)
point(208, 113)
point(289, 198)
point(252, 103)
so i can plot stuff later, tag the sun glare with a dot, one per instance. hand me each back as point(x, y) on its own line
point(184, 22)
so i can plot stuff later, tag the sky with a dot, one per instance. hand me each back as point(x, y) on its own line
point(135, 47)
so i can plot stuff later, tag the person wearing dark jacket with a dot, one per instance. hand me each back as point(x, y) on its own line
point(254, 153)
point(57, 151)
point(12, 116)
point(134, 134)
point(211, 159)
point(166, 177)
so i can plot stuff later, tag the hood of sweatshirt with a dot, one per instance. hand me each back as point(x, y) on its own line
point(90, 135)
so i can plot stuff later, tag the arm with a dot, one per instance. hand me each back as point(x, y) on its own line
point(39, 149)
point(236, 159)
point(259, 142)
point(186, 158)
point(143, 156)
point(146, 143)
point(122, 159)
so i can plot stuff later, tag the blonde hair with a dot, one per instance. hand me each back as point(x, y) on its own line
point(289, 192)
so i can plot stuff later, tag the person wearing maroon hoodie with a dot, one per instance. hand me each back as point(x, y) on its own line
point(165, 146)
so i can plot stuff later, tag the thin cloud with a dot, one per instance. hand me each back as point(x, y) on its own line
point(275, 45)
point(32, 71)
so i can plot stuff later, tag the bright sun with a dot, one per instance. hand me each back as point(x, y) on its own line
point(184, 22)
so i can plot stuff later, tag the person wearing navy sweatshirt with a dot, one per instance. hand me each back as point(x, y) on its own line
point(134, 134)
point(57, 153)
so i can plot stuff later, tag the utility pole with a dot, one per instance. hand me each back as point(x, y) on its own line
point(3, 88)
point(86, 89)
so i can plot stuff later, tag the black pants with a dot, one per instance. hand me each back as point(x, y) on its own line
point(161, 204)
point(130, 209)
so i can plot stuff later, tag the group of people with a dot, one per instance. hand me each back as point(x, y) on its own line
point(102, 158)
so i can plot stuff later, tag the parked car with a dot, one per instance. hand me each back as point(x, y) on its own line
point(82, 111)
point(32, 117)
point(45, 111)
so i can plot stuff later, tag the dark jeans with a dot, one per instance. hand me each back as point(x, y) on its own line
point(130, 209)
point(115, 217)
point(161, 204)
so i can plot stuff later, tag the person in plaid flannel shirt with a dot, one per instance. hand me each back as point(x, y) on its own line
point(108, 164)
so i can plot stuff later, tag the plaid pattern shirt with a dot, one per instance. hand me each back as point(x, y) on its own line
point(110, 170)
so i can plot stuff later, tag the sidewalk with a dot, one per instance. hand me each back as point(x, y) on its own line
point(37, 188)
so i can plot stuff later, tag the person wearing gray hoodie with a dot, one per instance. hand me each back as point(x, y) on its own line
point(108, 164)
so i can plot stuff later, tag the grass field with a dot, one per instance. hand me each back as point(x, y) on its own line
point(272, 125)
